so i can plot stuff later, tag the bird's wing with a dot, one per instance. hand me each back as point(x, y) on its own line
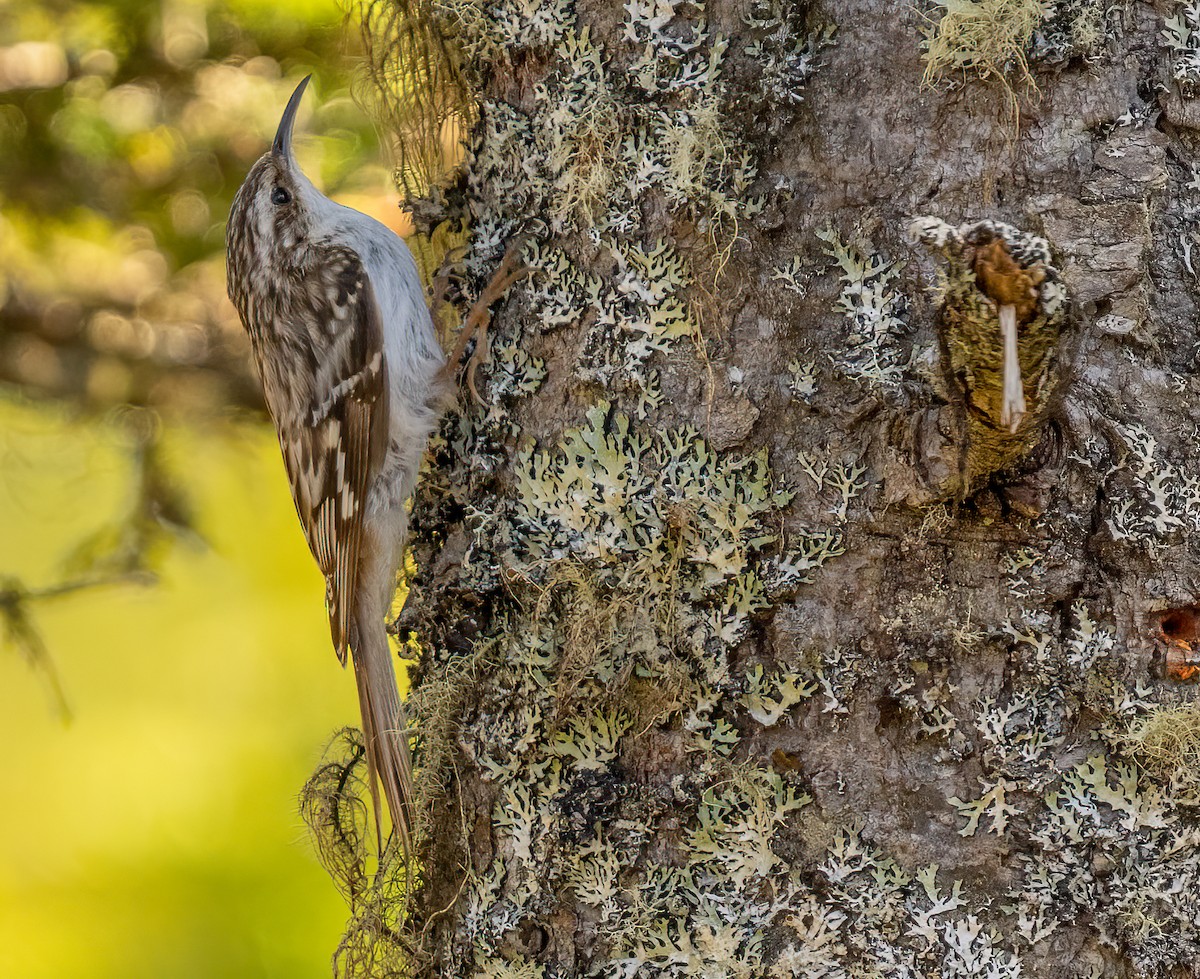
point(336, 451)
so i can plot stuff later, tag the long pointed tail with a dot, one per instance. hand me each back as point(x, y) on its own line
point(385, 731)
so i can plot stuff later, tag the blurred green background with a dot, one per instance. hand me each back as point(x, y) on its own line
point(155, 833)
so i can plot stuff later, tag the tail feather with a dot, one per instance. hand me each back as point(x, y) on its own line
point(385, 733)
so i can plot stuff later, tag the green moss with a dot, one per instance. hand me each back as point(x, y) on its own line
point(1166, 744)
point(985, 37)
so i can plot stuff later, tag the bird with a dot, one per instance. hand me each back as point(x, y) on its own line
point(354, 379)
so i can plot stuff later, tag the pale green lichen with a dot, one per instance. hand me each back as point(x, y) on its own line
point(839, 673)
point(799, 564)
point(598, 139)
point(581, 134)
point(633, 504)
point(590, 743)
point(1181, 34)
point(1023, 570)
point(628, 566)
point(973, 951)
point(513, 373)
point(1108, 836)
point(992, 803)
point(485, 30)
point(874, 310)
point(841, 480)
point(802, 379)
point(769, 698)
point(792, 276)
point(736, 825)
point(653, 282)
point(637, 312)
point(787, 53)
point(509, 969)
point(928, 696)
point(1165, 500)
point(1113, 844)
point(584, 154)
point(1088, 641)
point(817, 948)
point(648, 552)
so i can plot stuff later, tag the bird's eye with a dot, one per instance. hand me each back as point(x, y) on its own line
point(280, 196)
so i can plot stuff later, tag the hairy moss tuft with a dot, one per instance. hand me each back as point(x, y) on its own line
point(1166, 743)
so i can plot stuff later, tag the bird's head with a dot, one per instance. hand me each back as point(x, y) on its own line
point(274, 208)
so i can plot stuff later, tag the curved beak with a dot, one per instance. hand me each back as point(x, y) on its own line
point(283, 136)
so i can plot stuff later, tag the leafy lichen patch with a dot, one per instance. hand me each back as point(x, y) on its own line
point(875, 310)
point(645, 556)
point(1181, 34)
point(601, 751)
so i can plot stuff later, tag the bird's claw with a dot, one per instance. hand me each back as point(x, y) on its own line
point(510, 270)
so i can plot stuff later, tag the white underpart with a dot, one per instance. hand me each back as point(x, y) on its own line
point(411, 353)
point(1012, 408)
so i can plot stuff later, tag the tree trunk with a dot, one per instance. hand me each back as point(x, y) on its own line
point(754, 643)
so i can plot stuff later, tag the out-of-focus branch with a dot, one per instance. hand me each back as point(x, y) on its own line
point(21, 631)
point(125, 552)
point(104, 358)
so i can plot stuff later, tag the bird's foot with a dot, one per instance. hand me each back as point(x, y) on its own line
point(510, 270)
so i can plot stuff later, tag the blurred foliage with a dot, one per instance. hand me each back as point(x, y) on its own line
point(165, 829)
point(127, 127)
point(126, 548)
point(158, 834)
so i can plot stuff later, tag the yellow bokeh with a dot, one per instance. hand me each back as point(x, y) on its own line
point(156, 834)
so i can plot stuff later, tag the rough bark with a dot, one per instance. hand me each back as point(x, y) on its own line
point(729, 667)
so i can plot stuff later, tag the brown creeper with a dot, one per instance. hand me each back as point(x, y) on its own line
point(352, 374)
